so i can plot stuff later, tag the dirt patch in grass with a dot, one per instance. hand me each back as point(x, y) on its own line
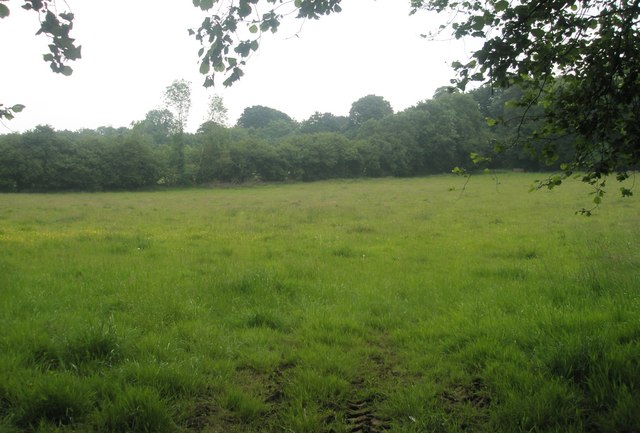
point(275, 388)
point(361, 417)
point(474, 393)
point(468, 403)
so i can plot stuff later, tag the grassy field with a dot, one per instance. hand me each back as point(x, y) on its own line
point(379, 305)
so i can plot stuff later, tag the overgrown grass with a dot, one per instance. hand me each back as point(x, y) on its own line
point(284, 307)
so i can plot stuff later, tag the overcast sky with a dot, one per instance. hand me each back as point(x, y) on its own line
point(133, 49)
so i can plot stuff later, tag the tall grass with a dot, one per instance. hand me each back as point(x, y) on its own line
point(294, 307)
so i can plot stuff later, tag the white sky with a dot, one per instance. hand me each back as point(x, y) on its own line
point(133, 49)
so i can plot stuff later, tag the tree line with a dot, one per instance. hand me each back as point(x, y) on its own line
point(266, 144)
point(578, 60)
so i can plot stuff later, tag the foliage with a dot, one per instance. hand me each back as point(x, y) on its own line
point(233, 32)
point(369, 107)
point(431, 137)
point(130, 163)
point(177, 96)
point(395, 146)
point(259, 116)
point(56, 26)
point(217, 112)
point(46, 160)
point(578, 59)
point(564, 55)
point(324, 122)
point(326, 155)
point(9, 112)
point(505, 118)
point(159, 124)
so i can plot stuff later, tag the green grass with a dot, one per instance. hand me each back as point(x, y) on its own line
point(283, 307)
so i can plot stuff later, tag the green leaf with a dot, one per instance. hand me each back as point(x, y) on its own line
point(206, 4)
point(4, 11)
point(205, 67)
point(243, 49)
point(67, 16)
point(491, 122)
point(501, 5)
point(66, 71)
point(74, 53)
point(17, 108)
point(459, 171)
point(538, 33)
point(244, 9)
point(478, 24)
point(297, 3)
point(235, 76)
point(253, 29)
point(626, 192)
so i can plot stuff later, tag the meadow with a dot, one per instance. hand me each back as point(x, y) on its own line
point(401, 305)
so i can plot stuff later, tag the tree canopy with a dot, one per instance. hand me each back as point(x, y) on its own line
point(369, 107)
point(429, 138)
point(259, 116)
point(578, 59)
point(324, 122)
point(158, 124)
point(177, 96)
point(217, 112)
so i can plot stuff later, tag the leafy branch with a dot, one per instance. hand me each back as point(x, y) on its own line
point(231, 34)
point(57, 27)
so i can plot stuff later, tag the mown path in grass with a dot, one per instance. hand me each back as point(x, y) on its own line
point(379, 305)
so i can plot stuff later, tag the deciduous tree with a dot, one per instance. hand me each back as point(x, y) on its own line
point(369, 107)
point(217, 112)
point(159, 124)
point(177, 97)
point(324, 122)
point(579, 59)
point(259, 116)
